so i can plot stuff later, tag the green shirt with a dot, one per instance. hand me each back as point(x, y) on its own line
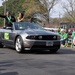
point(59, 33)
point(65, 35)
point(73, 34)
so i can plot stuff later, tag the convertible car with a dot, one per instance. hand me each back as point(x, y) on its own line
point(26, 36)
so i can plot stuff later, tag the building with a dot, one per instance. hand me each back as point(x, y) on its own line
point(67, 25)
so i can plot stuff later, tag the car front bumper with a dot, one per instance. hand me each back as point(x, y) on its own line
point(33, 44)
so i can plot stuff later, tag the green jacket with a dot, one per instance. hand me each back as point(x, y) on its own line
point(73, 34)
point(65, 35)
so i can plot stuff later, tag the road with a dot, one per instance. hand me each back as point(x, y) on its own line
point(37, 63)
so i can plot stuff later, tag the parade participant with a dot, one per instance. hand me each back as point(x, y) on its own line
point(20, 17)
point(8, 19)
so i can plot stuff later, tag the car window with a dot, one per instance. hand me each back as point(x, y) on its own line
point(24, 26)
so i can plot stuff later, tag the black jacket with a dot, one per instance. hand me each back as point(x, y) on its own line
point(7, 22)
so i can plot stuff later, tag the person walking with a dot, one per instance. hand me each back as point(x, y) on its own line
point(8, 19)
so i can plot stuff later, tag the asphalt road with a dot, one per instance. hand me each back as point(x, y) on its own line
point(37, 63)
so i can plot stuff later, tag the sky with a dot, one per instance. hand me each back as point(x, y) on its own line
point(0, 2)
point(57, 10)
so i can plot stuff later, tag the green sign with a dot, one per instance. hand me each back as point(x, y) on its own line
point(6, 36)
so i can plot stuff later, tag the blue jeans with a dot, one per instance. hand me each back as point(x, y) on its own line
point(64, 41)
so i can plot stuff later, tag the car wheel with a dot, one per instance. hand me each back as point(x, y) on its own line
point(19, 45)
point(54, 50)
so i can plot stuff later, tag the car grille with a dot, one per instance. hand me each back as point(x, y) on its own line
point(42, 37)
point(47, 37)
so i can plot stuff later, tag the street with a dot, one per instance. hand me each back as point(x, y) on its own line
point(37, 63)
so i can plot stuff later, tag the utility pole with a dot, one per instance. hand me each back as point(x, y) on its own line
point(4, 1)
point(59, 18)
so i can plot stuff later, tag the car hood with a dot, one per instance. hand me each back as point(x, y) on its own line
point(38, 32)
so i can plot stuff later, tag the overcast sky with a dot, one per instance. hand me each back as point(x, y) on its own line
point(55, 12)
point(0, 2)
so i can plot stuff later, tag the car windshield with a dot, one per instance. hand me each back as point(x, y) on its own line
point(24, 26)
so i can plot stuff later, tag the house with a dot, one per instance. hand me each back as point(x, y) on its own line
point(67, 25)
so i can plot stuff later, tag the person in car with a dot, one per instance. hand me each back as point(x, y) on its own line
point(8, 19)
point(20, 17)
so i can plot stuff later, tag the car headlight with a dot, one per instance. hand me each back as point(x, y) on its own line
point(31, 37)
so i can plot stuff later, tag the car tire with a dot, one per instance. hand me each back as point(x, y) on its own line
point(19, 44)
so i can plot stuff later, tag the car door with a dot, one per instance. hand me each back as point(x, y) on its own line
point(8, 36)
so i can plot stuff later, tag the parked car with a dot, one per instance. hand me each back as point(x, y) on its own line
point(26, 36)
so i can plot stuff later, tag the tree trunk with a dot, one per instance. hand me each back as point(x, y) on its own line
point(48, 18)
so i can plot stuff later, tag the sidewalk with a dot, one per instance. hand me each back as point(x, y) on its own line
point(69, 46)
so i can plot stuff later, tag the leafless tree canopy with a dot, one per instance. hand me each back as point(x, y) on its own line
point(49, 4)
point(69, 7)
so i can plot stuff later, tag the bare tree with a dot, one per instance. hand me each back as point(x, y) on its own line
point(49, 4)
point(69, 7)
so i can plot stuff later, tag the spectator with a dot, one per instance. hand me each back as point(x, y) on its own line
point(20, 17)
point(65, 37)
point(73, 34)
point(73, 39)
point(8, 19)
point(59, 32)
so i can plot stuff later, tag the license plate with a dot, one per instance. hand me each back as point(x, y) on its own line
point(49, 43)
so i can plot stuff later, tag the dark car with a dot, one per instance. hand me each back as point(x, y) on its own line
point(26, 36)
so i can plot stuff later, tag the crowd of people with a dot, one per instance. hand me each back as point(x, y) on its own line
point(65, 37)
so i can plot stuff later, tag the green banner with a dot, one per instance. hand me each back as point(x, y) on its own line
point(6, 36)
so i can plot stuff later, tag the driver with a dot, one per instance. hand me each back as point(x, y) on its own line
point(8, 19)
